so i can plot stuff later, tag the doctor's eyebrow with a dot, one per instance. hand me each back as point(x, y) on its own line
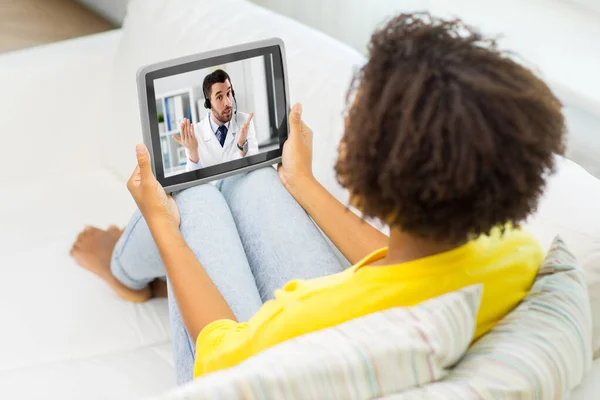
point(220, 91)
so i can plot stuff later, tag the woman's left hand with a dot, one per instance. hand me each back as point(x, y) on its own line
point(296, 161)
point(148, 194)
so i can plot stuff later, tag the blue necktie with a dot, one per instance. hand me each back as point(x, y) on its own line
point(221, 134)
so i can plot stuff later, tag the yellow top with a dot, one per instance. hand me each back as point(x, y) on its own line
point(506, 265)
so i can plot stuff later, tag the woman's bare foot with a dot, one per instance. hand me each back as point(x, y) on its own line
point(93, 250)
point(115, 231)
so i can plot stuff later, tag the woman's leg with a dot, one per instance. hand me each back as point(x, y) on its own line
point(209, 230)
point(93, 250)
point(135, 260)
point(281, 241)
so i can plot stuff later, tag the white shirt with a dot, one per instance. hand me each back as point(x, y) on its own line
point(209, 149)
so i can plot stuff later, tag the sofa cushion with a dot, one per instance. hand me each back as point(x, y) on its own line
point(570, 207)
point(57, 310)
point(541, 350)
point(368, 357)
point(154, 30)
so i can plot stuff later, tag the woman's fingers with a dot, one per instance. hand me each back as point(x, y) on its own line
point(295, 121)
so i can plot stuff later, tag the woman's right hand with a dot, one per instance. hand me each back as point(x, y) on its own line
point(188, 140)
point(148, 194)
point(296, 165)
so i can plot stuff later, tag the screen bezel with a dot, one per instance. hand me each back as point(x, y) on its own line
point(147, 76)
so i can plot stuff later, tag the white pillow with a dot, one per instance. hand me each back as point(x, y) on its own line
point(371, 356)
point(570, 208)
point(319, 68)
point(541, 350)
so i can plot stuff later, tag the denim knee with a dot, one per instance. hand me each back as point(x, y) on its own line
point(187, 199)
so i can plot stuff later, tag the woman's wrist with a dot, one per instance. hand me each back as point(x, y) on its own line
point(301, 186)
point(165, 233)
point(160, 222)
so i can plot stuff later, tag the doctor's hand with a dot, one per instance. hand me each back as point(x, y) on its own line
point(296, 165)
point(243, 137)
point(188, 140)
point(150, 197)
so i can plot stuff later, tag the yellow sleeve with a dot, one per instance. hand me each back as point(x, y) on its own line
point(221, 344)
point(225, 343)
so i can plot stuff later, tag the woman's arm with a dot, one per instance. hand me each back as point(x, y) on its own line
point(354, 237)
point(350, 234)
point(197, 297)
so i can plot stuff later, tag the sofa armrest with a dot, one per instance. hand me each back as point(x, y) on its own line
point(54, 106)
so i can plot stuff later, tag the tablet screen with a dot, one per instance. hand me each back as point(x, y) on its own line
point(216, 115)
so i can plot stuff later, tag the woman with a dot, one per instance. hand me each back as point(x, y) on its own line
point(447, 140)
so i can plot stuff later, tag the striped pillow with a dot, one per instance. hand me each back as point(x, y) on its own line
point(371, 356)
point(541, 350)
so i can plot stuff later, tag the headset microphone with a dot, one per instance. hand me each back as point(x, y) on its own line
point(236, 106)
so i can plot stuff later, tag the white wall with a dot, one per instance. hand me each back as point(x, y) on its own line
point(590, 5)
point(350, 21)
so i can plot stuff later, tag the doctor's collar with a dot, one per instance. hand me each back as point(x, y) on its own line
point(214, 126)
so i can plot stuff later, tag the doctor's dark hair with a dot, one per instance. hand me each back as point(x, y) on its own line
point(446, 136)
point(217, 76)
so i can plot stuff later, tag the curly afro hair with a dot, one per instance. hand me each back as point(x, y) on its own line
point(446, 137)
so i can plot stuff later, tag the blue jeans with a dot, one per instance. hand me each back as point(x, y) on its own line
point(251, 237)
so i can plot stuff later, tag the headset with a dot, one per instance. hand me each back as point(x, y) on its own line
point(207, 104)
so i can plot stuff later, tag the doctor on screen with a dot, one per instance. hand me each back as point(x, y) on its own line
point(224, 134)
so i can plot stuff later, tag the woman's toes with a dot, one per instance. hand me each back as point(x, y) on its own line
point(115, 231)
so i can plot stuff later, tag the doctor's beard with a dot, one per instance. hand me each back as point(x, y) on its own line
point(224, 116)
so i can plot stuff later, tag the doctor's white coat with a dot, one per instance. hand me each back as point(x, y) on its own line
point(210, 150)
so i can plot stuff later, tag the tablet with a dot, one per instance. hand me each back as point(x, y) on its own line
point(214, 114)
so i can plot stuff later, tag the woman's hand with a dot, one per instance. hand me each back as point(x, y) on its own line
point(148, 194)
point(296, 165)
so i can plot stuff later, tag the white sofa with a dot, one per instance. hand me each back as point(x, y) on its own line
point(64, 333)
